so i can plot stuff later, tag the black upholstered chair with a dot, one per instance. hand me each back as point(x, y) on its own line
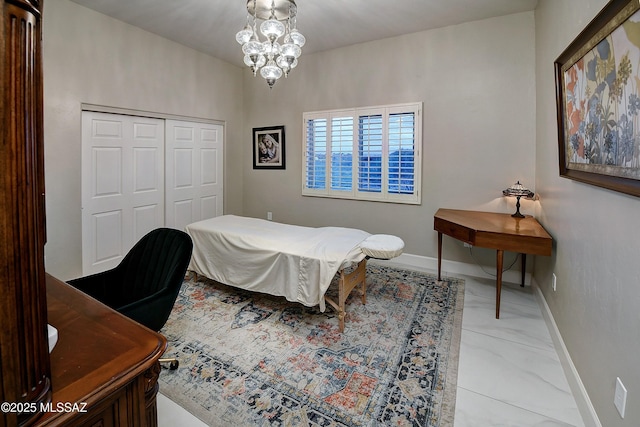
point(145, 285)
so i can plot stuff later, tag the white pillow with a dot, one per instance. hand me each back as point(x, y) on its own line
point(382, 246)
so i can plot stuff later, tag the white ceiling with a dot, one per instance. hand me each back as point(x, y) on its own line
point(210, 25)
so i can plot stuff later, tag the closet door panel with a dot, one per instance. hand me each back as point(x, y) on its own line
point(122, 185)
point(108, 231)
point(194, 189)
point(182, 213)
point(210, 206)
point(142, 173)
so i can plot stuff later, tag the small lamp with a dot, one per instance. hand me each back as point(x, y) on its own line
point(518, 190)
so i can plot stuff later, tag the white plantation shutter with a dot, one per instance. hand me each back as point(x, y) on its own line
point(401, 153)
point(368, 153)
point(342, 153)
point(316, 153)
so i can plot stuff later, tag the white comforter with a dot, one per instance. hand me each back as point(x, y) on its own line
point(295, 262)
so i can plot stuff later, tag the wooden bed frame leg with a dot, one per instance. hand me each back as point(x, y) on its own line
point(346, 284)
point(341, 300)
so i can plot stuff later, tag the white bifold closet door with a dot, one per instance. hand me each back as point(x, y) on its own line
point(122, 185)
point(142, 173)
point(193, 172)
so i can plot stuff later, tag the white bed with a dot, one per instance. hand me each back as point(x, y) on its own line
point(291, 261)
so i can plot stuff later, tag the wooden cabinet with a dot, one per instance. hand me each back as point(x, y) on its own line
point(104, 368)
point(104, 362)
point(24, 356)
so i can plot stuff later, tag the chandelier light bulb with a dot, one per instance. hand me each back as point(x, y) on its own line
point(255, 63)
point(272, 29)
point(244, 35)
point(296, 37)
point(253, 47)
point(283, 63)
point(274, 57)
point(291, 50)
point(271, 49)
point(271, 72)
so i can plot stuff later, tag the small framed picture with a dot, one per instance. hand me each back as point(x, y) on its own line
point(268, 148)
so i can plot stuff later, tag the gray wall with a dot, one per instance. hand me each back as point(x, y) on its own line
point(489, 120)
point(597, 302)
point(90, 58)
point(477, 85)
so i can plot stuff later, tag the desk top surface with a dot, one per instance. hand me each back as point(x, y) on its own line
point(494, 230)
point(491, 222)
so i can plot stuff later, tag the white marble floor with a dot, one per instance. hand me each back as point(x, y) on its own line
point(509, 373)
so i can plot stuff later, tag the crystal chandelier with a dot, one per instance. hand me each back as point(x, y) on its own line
point(271, 58)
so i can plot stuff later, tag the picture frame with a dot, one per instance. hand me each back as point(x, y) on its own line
point(598, 101)
point(269, 147)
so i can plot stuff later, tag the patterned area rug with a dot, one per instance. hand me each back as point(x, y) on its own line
point(248, 359)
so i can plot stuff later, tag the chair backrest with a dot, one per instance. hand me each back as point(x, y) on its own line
point(158, 259)
point(156, 266)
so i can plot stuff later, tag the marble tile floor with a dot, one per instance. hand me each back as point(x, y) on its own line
point(509, 374)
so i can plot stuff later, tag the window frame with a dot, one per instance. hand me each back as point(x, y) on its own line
point(354, 193)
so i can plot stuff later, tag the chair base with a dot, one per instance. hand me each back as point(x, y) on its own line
point(173, 363)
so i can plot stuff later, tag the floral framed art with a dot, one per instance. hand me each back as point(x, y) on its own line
point(269, 148)
point(598, 101)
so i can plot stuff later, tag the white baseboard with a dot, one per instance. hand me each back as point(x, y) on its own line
point(586, 409)
point(431, 264)
point(588, 412)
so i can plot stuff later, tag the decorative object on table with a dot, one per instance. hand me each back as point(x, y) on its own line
point(271, 58)
point(52, 335)
point(268, 148)
point(518, 190)
point(254, 359)
point(598, 106)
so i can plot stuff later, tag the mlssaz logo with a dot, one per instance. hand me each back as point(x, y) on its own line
point(63, 407)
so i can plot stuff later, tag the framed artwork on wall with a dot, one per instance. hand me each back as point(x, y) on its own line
point(598, 101)
point(269, 148)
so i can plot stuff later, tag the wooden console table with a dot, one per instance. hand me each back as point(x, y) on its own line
point(498, 231)
point(104, 362)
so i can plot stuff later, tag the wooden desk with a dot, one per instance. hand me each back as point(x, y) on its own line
point(494, 231)
point(103, 359)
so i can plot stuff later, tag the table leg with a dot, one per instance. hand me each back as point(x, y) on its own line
point(439, 254)
point(524, 268)
point(499, 260)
